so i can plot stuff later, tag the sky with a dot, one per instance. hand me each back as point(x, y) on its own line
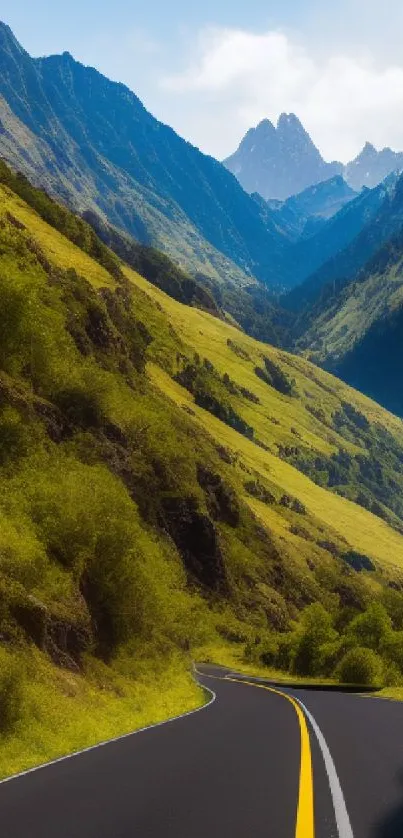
point(214, 68)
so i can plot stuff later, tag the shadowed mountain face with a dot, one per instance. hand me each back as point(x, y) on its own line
point(355, 327)
point(282, 161)
point(303, 215)
point(342, 248)
point(92, 143)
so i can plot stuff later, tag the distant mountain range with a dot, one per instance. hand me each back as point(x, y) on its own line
point(345, 243)
point(91, 142)
point(280, 161)
point(303, 215)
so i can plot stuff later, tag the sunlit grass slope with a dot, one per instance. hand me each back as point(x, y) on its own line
point(281, 421)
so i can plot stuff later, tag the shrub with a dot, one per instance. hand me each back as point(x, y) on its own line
point(362, 667)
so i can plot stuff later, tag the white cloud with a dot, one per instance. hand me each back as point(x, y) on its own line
point(236, 78)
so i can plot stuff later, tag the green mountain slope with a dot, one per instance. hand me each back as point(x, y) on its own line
point(91, 142)
point(350, 239)
point(355, 330)
point(157, 494)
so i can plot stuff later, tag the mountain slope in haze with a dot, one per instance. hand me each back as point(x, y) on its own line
point(157, 473)
point(91, 142)
point(281, 161)
point(350, 239)
point(356, 330)
point(372, 166)
point(302, 215)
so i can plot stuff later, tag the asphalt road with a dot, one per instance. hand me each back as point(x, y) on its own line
point(253, 764)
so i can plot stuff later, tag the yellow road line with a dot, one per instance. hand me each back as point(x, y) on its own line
point(305, 826)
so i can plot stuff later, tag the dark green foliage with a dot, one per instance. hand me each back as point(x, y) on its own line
point(292, 503)
point(238, 350)
point(221, 499)
point(257, 311)
point(358, 561)
point(256, 490)
point(224, 412)
point(211, 393)
point(350, 415)
point(80, 408)
point(374, 479)
point(273, 375)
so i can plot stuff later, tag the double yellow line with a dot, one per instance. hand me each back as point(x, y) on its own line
point(305, 826)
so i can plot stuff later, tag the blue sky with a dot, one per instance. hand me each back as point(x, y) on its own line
point(213, 68)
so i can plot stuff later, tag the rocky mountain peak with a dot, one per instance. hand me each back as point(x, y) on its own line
point(279, 161)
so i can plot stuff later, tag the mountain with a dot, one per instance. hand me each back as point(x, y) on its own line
point(350, 240)
point(303, 215)
point(169, 488)
point(344, 244)
point(355, 329)
point(372, 166)
point(279, 162)
point(91, 143)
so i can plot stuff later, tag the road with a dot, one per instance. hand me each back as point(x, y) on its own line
point(257, 762)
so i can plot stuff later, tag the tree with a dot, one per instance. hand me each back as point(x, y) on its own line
point(371, 628)
point(315, 630)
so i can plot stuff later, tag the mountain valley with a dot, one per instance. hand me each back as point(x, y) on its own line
point(201, 432)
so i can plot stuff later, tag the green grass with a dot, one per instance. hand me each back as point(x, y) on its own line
point(64, 711)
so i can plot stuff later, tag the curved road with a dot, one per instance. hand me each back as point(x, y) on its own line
point(258, 762)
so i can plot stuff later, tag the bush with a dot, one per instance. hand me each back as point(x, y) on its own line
point(371, 628)
point(392, 675)
point(392, 648)
point(11, 677)
point(362, 667)
point(315, 631)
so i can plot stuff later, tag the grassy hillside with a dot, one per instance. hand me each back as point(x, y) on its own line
point(356, 330)
point(156, 498)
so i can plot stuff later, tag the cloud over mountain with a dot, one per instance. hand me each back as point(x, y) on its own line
point(236, 78)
